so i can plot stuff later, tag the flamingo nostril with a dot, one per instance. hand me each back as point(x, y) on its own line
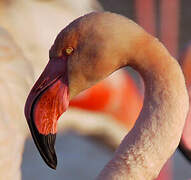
point(41, 85)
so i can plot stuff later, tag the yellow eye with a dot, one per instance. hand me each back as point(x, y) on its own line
point(69, 50)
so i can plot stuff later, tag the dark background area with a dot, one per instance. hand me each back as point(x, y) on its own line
point(126, 8)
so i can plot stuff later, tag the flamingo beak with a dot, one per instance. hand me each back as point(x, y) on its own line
point(48, 99)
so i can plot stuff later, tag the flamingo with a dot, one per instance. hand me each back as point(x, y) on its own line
point(185, 143)
point(87, 51)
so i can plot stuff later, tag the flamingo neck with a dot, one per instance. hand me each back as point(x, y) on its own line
point(158, 129)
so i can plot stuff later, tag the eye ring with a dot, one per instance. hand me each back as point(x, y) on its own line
point(69, 50)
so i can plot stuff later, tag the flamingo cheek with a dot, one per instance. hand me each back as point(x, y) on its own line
point(50, 106)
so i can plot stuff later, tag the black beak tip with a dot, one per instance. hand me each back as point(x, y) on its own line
point(45, 145)
point(49, 156)
point(53, 166)
point(53, 163)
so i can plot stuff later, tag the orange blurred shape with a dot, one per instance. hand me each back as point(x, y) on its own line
point(117, 96)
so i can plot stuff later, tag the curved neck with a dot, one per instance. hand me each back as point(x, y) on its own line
point(157, 131)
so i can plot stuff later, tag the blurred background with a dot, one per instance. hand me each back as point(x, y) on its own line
point(92, 129)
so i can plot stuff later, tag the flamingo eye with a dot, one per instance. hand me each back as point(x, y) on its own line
point(69, 50)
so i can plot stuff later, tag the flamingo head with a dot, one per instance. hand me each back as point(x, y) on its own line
point(82, 54)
